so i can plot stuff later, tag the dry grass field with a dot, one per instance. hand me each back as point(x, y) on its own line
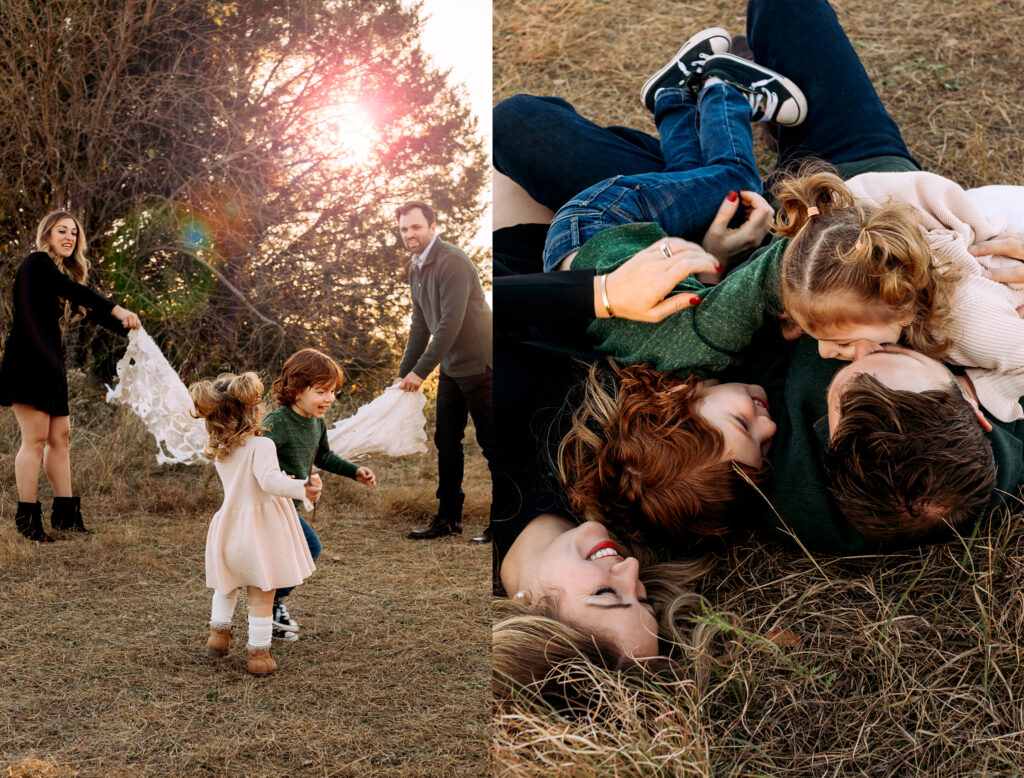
point(102, 669)
point(907, 665)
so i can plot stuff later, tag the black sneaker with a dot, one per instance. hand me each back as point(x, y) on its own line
point(772, 97)
point(287, 637)
point(687, 61)
point(282, 620)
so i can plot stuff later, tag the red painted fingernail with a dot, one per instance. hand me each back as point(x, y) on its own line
point(694, 300)
point(718, 267)
point(732, 197)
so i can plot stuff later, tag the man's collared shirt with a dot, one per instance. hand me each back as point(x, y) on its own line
point(417, 259)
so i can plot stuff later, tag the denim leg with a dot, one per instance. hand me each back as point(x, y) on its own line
point(846, 121)
point(684, 201)
point(449, 430)
point(315, 548)
point(675, 114)
point(725, 133)
point(551, 151)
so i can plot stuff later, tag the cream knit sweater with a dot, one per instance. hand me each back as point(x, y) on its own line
point(255, 539)
point(987, 332)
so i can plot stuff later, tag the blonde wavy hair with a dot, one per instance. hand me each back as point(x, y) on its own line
point(537, 655)
point(852, 262)
point(230, 405)
point(75, 267)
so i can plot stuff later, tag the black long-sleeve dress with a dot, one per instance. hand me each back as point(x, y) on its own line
point(32, 370)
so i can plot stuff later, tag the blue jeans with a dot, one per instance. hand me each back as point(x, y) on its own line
point(314, 551)
point(554, 153)
point(707, 149)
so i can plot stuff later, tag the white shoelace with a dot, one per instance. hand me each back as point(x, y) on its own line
point(701, 58)
point(763, 101)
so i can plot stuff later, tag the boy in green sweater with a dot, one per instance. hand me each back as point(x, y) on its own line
point(305, 390)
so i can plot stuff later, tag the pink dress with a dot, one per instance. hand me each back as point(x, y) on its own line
point(255, 539)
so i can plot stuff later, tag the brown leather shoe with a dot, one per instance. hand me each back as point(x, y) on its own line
point(740, 46)
point(438, 529)
point(483, 538)
point(219, 642)
point(261, 662)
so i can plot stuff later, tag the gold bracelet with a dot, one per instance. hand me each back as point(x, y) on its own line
point(604, 296)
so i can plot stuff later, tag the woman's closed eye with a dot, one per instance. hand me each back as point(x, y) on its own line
point(610, 590)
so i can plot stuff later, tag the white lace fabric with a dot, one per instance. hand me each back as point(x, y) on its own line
point(392, 425)
point(150, 387)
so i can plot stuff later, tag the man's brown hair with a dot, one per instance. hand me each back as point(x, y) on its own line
point(905, 465)
point(412, 205)
point(642, 460)
point(303, 369)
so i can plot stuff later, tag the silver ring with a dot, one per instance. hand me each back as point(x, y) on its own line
point(665, 250)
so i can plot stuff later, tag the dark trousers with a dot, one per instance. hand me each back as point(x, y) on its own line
point(554, 153)
point(457, 400)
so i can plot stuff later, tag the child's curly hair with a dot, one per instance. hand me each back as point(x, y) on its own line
point(876, 258)
point(231, 406)
point(303, 369)
point(641, 459)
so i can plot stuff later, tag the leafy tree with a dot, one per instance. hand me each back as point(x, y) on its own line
point(236, 166)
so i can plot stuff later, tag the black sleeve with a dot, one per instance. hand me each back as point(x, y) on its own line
point(565, 296)
point(43, 270)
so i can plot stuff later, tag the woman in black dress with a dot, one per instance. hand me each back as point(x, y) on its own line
point(32, 376)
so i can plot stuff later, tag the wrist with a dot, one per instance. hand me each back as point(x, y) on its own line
point(602, 304)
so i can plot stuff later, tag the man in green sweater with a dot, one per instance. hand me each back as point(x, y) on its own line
point(305, 390)
point(451, 327)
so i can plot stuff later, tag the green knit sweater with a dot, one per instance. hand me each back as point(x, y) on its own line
point(298, 438)
point(703, 339)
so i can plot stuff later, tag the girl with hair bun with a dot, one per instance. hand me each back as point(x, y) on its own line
point(885, 259)
point(255, 539)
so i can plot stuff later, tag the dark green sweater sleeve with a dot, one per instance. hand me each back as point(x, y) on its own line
point(703, 339)
point(328, 460)
point(302, 442)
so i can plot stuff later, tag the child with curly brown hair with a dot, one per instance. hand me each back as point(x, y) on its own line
point(305, 390)
point(255, 539)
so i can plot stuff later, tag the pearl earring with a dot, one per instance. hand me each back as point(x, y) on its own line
point(520, 595)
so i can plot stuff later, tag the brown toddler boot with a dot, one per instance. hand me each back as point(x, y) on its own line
point(219, 642)
point(260, 661)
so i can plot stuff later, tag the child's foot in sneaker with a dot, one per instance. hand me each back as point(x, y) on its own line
point(772, 97)
point(282, 620)
point(687, 61)
point(287, 637)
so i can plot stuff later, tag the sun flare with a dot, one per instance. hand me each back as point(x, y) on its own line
point(347, 131)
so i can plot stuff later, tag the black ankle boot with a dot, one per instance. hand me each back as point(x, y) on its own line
point(67, 515)
point(29, 520)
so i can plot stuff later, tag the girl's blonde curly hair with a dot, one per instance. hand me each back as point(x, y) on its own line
point(231, 406)
point(849, 261)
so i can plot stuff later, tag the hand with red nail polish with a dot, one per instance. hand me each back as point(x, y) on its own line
point(640, 289)
point(728, 243)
